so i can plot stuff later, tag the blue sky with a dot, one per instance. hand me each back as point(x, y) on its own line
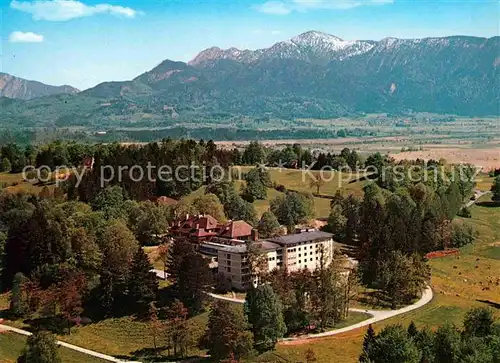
point(83, 43)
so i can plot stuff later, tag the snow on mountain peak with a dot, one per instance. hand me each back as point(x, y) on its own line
point(312, 46)
point(315, 36)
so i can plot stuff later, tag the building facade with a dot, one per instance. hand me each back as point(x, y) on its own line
point(306, 250)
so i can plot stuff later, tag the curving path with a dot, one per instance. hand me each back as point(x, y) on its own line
point(478, 196)
point(67, 345)
point(377, 315)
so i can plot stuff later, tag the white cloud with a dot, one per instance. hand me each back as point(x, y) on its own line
point(25, 37)
point(274, 7)
point(286, 7)
point(63, 10)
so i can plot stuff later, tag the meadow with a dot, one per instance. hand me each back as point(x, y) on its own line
point(12, 345)
point(299, 180)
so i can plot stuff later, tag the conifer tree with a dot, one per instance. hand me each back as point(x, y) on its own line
point(412, 330)
point(142, 284)
point(17, 304)
point(41, 348)
point(367, 344)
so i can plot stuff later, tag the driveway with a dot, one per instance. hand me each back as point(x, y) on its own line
point(470, 203)
point(377, 315)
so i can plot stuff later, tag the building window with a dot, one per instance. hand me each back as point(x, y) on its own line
point(299, 248)
point(228, 256)
point(229, 269)
point(300, 255)
point(300, 261)
point(311, 259)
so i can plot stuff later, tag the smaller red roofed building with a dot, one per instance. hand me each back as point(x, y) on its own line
point(200, 228)
point(236, 230)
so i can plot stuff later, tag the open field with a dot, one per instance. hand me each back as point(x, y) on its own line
point(125, 338)
point(488, 158)
point(15, 183)
point(12, 345)
point(299, 180)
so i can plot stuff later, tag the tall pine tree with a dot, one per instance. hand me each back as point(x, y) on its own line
point(142, 283)
point(367, 344)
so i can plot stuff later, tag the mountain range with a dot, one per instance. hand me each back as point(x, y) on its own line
point(311, 75)
point(18, 88)
point(312, 47)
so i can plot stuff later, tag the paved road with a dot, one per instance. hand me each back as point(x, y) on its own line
point(478, 195)
point(377, 315)
point(162, 275)
point(66, 345)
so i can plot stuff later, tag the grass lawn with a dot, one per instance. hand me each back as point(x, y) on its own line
point(15, 184)
point(300, 180)
point(321, 205)
point(459, 284)
point(353, 318)
point(484, 182)
point(12, 345)
point(126, 337)
point(153, 257)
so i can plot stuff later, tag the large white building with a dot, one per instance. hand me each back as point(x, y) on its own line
point(306, 250)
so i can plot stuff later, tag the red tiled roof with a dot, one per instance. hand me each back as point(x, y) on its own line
point(236, 229)
point(202, 233)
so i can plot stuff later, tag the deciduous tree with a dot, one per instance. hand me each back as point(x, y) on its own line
point(269, 225)
point(156, 326)
point(479, 322)
point(227, 334)
point(317, 182)
point(177, 328)
point(256, 184)
point(293, 208)
point(210, 204)
point(402, 277)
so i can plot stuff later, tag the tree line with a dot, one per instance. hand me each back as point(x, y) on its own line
point(477, 341)
point(394, 227)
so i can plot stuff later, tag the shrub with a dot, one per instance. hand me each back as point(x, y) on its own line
point(280, 188)
point(464, 213)
point(462, 235)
